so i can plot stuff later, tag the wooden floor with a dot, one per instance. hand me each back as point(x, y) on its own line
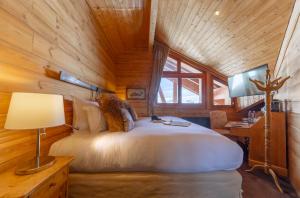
point(258, 185)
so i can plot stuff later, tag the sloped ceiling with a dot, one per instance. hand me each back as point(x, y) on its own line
point(245, 34)
point(124, 23)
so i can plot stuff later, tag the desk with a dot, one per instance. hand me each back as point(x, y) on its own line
point(255, 133)
point(239, 129)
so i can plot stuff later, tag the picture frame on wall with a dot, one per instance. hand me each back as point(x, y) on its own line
point(135, 93)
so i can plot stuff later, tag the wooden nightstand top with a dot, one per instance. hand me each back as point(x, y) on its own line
point(12, 185)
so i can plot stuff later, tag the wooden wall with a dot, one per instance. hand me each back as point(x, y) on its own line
point(288, 64)
point(134, 71)
point(35, 34)
point(61, 34)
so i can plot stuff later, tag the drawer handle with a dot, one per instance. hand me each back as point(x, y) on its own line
point(52, 185)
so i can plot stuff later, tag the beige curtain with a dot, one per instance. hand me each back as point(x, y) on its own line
point(160, 55)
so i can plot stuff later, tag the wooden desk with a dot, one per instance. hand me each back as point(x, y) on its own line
point(240, 131)
point(255, 133)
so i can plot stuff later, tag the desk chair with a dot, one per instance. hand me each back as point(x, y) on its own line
point(218, 120)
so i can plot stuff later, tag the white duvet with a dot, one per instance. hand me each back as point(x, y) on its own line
point(151, 147)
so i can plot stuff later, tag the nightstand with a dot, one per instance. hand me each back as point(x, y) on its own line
point(49, 183)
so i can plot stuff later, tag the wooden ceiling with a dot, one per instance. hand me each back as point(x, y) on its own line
point(245, 34)
point(126, 24)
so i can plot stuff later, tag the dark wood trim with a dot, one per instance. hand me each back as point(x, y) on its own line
point(207, 76)
point(197, 65)
point(71, 79)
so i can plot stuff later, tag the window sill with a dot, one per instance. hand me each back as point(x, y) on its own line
point(176, 105)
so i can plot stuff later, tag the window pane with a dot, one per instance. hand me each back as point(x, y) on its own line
point(221, 93)
point(168, 91)
point(185, 68)
point(171, 65)
point(191, 90)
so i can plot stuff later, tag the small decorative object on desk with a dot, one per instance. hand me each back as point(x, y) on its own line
point(234, 124)
point(251, 117)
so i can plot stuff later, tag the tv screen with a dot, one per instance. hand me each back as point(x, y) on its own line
point(240, 85)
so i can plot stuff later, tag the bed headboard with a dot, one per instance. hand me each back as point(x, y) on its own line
point(16, 146)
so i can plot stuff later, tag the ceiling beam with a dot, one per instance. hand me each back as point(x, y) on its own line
point(151, 8)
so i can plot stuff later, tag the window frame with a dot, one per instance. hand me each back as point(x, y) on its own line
point(212, 94)
point(177, 74)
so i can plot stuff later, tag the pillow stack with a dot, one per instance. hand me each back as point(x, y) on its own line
point(87, 116)
point(119, 115)
point(109, 113)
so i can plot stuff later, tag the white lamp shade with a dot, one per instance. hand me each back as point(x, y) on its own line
point(34, 110)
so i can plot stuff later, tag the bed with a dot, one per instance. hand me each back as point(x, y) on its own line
point(152, 160)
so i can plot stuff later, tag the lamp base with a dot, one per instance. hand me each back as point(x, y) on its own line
point(35, 165)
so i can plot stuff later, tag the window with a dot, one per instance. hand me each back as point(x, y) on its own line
point(185, 68)
point(191, 90)
point(168, 90)
point(221, 93)
point(171, 65)
point(181, 83)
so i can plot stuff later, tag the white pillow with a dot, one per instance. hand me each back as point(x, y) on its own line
point(80, 120)
point(96, 119)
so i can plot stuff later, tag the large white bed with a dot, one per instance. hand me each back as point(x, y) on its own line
point(151, 147)
point(166, 155)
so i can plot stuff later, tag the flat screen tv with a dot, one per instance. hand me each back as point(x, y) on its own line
point(240, 85)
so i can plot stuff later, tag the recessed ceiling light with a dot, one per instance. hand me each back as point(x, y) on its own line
point(217, 13)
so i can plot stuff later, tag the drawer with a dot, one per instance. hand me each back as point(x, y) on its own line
point(52, 187)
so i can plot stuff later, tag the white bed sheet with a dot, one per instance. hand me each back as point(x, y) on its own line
point(151, 147)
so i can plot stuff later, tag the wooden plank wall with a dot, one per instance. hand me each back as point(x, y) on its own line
point(134, 71)
point(35, 34)
point(61, 34)
point(288, 64)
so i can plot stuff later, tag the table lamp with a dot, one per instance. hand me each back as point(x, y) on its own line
point(35, 111)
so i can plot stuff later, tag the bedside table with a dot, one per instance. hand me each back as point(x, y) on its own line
point(51, 182)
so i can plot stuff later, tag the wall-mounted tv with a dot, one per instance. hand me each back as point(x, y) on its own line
point(240, 85)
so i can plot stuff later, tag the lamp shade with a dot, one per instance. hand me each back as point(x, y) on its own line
point(34, 110)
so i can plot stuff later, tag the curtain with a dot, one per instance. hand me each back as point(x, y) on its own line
point(160, 55)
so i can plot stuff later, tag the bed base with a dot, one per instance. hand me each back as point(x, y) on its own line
point(225, 184)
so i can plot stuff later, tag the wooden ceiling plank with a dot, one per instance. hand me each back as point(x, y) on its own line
point(236, 45)
point(262, 40)
point(198, 16)
point(227, 14)
point(204, 24)
point(239, 19)
point(173, 9)
point(244, 34)
point(167, 10)
point(257, 47)
point(186, 22)
point(248, 30)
